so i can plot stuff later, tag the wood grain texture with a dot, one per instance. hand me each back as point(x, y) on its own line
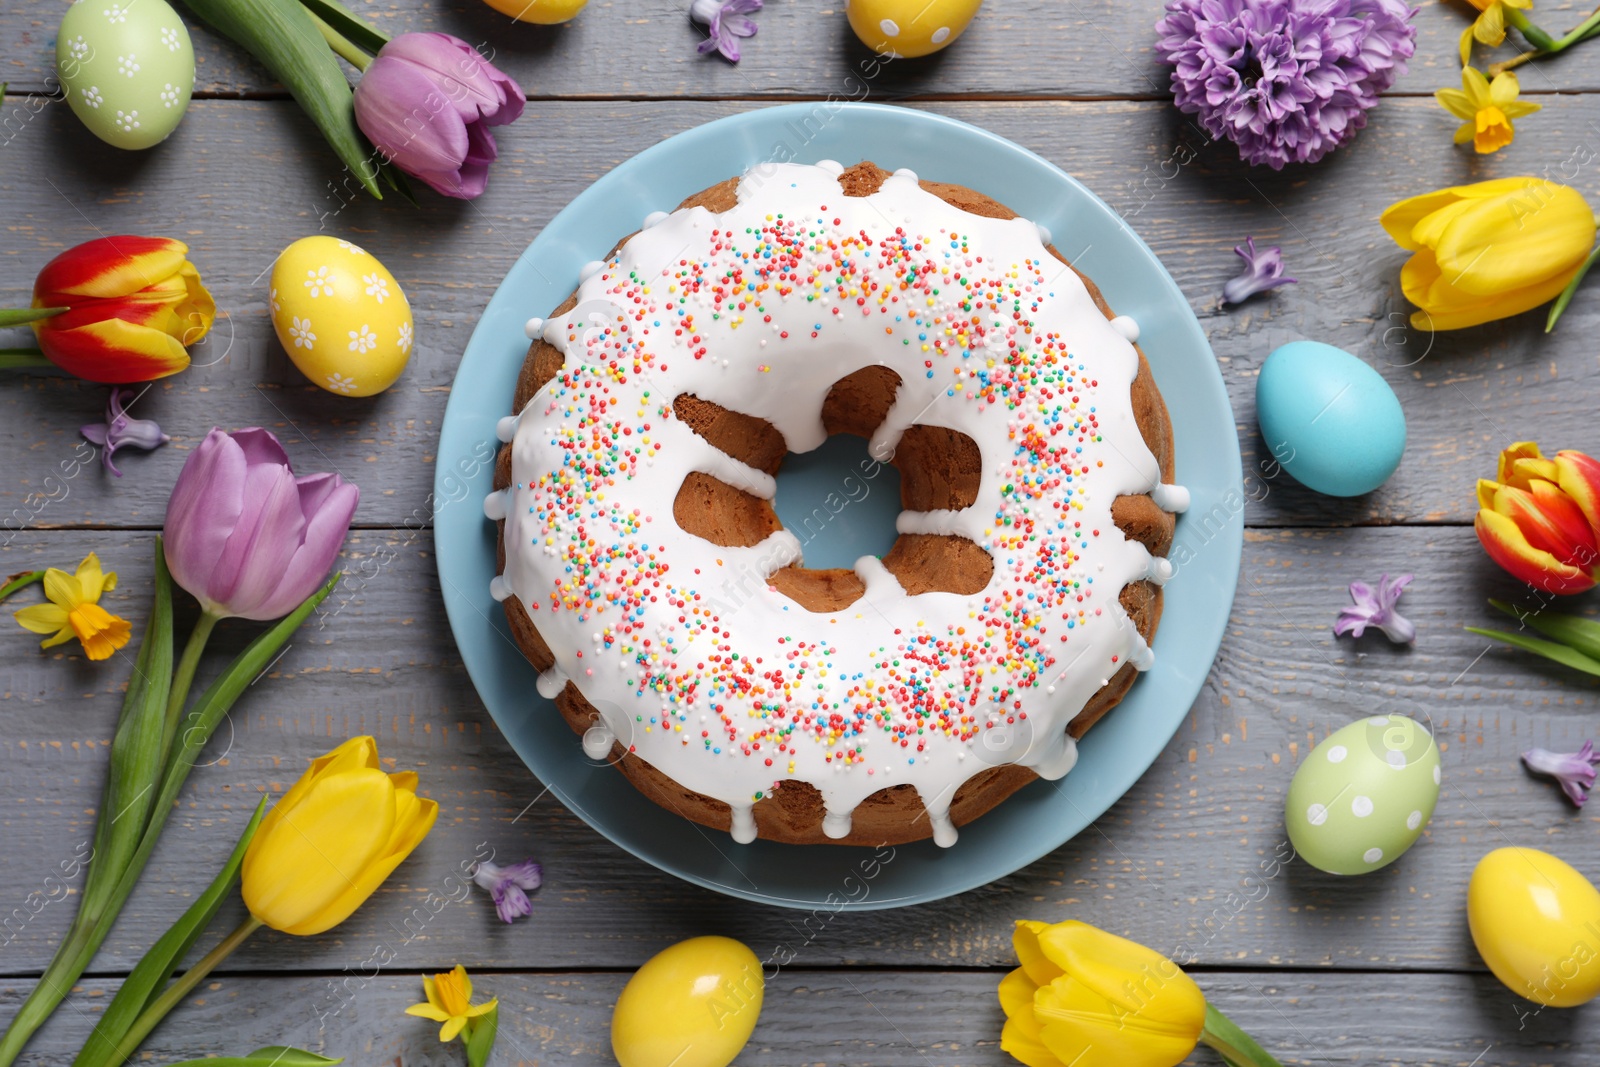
point(887, 1018)
point(1178, 862)
point(240, 180)
point(1019, 48)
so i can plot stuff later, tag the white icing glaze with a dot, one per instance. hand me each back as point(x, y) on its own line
point(494, 506)
point(533, 327)
point(1174, 498)
point(597, 740)
point(655, 218)
point(709, 673)
point(1127, 327)
point(506, 428)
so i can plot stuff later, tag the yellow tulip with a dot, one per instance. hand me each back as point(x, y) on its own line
point(1490, 250)
point(1086, 998)
point(332, 840)
point(450, 1002)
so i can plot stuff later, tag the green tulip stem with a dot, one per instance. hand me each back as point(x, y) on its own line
point(1235, 1046)
point(175, 993)
point(183, 678)
point(23, 316)
point(20, 581)
point(341, 44)
point(1572, 287)
point(22, 359)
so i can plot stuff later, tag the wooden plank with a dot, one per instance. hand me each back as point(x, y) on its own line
point(859, 1017)
point(243, 179)
point(1176, 862)
point(1022, 48)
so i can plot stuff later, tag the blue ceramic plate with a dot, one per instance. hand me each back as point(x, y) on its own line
point(1116, 752)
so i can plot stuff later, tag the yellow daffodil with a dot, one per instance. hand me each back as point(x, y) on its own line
point(332, 840)
point(1486, 108)
point(74, 610)
point(1086, 998)
point(450, 1002)
point(1490, 26)
point(1489, 250)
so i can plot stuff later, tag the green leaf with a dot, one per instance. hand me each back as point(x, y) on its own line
point(282, 35)
point(1567, 294)
point(148, 979)
point(1235, 1046)
point(1574, 631)
point(134, 770)
point(354, 28)
point(273, 1056)
point(135, 750)
point(481, 1040)
point(1569, 657)
point(23, 316)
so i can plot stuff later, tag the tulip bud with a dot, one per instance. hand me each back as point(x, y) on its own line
point(1490, 250)
point(1541, 520)
point(332, 840)
point(247, 537)
point(427, 102)
point(133, 304)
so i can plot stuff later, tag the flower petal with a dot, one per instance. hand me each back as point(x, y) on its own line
point(43, 618)
point(1508, 547)
point(427, 1011)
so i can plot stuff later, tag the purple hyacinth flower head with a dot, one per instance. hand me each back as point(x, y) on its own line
point(1262, 270)
point(427, 102)
point(1376, 607)
point(1574, 770)
point(244, 535)
point(121, 431)
point(1287, 81)
point(726, 22)
point(509, 886)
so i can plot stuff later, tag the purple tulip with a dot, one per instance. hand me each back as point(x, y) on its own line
point(244, 535)
point(427, 102)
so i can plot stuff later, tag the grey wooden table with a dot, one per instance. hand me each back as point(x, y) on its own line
point(1372, 970)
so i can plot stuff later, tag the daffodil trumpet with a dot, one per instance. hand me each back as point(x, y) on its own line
point(1086, 998)
point(450, 1004)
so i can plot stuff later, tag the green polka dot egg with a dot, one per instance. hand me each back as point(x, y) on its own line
point(126, 68)
point(1364, 795)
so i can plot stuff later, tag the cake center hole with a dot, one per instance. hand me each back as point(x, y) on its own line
point(839, 502)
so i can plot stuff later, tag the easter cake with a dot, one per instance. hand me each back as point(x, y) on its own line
point(647, 578)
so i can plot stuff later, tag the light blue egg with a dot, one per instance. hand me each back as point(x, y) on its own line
point(1329, 419)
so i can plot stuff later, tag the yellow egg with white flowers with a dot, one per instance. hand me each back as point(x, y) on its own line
point(905, 29)
point(540, 12)
point(341, 316)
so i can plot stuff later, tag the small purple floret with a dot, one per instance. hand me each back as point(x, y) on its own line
point(725, 19)
point(120, 431)
point(1574, 770)
point(1377, 608)
point(1262, 270)
point(509, 886)
point(1287, 81)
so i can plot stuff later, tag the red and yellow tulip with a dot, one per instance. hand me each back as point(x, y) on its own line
point(1540, 519)
point(132, 305)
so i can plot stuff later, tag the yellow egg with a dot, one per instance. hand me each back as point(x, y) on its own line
point(906, 29)
point(341, 316)
point(1536, 923)
point(691, 1005)
point(543, 12)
